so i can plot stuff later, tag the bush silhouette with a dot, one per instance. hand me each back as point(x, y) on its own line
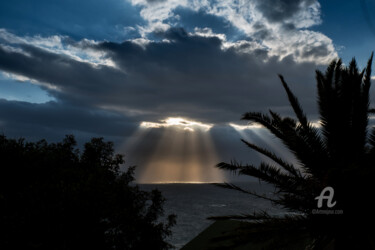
point(54, 197)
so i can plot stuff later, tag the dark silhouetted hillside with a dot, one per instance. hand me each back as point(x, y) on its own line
point(54, 197)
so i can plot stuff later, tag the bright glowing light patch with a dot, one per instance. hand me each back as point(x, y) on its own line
point(316, 124)
point(243, 127)
point(179, 123)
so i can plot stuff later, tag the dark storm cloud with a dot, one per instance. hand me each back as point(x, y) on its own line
point(189, 76)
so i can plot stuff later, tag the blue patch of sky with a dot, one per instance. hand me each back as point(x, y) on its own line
point(15, 90)
point(351, 26)
point(91, 19)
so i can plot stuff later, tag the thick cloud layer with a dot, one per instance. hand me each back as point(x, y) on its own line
point(187, 75)
point(210, 71)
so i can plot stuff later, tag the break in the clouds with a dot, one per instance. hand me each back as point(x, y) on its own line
point(135, 69)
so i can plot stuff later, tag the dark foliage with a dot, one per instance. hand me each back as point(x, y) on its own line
point(340, 154)
point(54, 197)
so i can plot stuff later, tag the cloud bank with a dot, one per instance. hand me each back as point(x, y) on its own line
point(206, 62)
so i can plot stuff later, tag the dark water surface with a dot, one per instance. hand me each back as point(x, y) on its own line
point(193, 203)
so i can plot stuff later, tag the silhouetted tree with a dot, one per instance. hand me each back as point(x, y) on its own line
point(339, 154)
point(54, 197)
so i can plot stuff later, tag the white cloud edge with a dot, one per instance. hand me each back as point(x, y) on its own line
point(243, 15)
point(55, 44)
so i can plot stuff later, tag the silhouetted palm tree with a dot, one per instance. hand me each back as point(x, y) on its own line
point(340, 153)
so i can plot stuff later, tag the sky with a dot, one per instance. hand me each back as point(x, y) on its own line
point(168, 80)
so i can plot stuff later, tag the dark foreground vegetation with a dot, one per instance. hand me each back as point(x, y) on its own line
point(54, 197)
point(339, 154)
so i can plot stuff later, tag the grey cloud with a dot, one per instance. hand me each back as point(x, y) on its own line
point(289, 26)
point(189, 76)
point(60, 70)
point(194, 73)
point(53, 119)
point(262, 34)
point(282, 10)
point(155, 1)
point(320, 50)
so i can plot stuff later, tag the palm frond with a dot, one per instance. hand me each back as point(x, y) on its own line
point(285, 184)
point(232, 167)
point(371, 139)
point(294, 103)
point(367, 79)
point(304, 143)
point(263, 120)
point(288, 167)
point(343, 106)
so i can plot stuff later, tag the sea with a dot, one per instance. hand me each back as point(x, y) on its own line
point(194, 203)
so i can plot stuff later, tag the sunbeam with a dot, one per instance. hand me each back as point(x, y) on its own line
point(184, 153)
point(255, 132)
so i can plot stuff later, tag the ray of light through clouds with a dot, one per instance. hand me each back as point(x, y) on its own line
point(166, 80)
point(190, 156)
point(255, 132)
